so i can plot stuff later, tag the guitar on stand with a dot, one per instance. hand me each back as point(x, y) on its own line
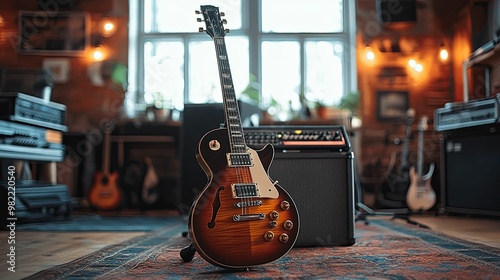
point(241, 218)
point(105, 193)
point(421, 196)
point(397, 179)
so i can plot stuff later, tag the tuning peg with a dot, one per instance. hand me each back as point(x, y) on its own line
point(201, 29)
point(197, 12)
point(199, 20)
point(222, 14)
point(224, 21)
point(227, 30)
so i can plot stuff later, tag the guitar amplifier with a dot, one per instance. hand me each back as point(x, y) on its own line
point(36, 201)
point(322, 186)
point(470, 181)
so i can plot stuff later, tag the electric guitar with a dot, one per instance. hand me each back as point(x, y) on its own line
point(105, 192)
point(420, 195)
point(241, 218)
point(397, 180)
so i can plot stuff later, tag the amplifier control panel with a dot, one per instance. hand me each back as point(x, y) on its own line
point(12, 133)
point(298, 137)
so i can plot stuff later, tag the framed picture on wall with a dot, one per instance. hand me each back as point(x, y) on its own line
point(392, 105)
point(58, 68)
point(47, 33)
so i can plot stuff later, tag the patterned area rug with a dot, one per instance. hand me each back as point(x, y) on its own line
point(383, 250)
point(95, 222)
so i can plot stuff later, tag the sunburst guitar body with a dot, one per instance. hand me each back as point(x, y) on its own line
point(241, 218)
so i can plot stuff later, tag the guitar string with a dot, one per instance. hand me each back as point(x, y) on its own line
point(229, 100)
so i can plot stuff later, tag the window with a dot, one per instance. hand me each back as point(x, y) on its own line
point(298, 50)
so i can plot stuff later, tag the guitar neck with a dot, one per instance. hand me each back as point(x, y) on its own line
point(105, 152)
point(406, 141)
point(405, 149)
point(420, 155)
point(231, 110)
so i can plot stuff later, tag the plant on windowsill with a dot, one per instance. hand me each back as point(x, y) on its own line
point(321, 110)
point(350, 102)
point(251, 93)
point(159, 108)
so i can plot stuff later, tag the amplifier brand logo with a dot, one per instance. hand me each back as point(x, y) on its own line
point(453, 147)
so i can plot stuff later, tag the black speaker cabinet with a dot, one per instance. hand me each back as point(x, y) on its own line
point(397, 14)
point(198, 119)
point(322, 186)
point(470, 177)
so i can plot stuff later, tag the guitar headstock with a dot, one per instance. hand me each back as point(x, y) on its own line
point(410, 116)
point(213, 22)
point(422, 126)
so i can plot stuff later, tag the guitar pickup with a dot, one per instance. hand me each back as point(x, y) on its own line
point(244, 204)
point(239, 159)
point(245, 190)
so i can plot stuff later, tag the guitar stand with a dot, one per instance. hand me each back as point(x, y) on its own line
point(406, 217)
point(367, 211)
point(187, 253)
point(363, 211)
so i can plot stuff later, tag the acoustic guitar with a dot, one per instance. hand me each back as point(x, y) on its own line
point(421, 195)
point(105, 192)
point(241, 218)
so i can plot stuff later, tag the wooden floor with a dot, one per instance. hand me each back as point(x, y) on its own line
point(36, 251)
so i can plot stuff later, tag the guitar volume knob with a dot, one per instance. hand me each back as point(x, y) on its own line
point(288, 225)
point(274, 215)
point(269, 235)
point(283, 238)
point(285, 205)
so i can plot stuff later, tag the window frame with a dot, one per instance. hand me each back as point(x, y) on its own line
point(251, 27)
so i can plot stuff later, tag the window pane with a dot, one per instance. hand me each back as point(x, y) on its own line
point(179, 16)
point(324, 76)
point(281, 77)
point(164, 73)
point(302, 16)
point(204, 83)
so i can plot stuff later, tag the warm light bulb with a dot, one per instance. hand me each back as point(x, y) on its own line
point(418, 67)
point(369, 53)
point(98, 54)
point(107, 27)
point(412, 63)
point(443, 54)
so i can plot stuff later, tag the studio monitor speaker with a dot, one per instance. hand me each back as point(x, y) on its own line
point(470, 178)
point(321, 185)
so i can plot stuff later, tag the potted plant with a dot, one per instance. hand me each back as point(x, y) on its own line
point(349, 102)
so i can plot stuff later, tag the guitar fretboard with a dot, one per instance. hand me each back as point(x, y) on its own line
point(231, 110)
